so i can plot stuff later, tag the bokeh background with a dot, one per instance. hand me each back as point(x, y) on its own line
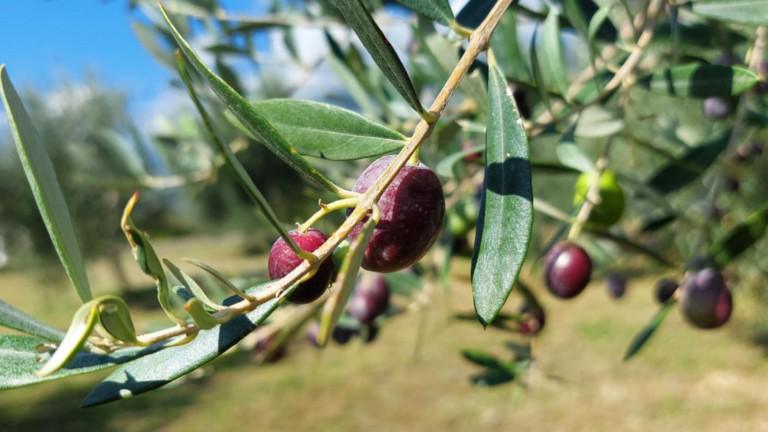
point(96, 79)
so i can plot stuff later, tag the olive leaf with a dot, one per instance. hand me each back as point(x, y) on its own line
point(700, 80)
point(642, 338)
point(438, 10)
point(754, 12)
point(374, 40)
point(740, 238)
point(244, 112)
point(13, 318)
point(346, 280)
point(160, 368)
point(551, 52)
point(501, 248)
point(328, 131)
point(45, 188)
point(21, 356)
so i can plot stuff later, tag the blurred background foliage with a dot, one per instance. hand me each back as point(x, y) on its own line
point(688, 176)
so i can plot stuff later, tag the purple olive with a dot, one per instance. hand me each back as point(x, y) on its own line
point(705, 299)
point(665, 289)
point(371, 299)
point(412, 210)
point(533, 319)
point(282, 260)
point(567, 270)
point(616, 284)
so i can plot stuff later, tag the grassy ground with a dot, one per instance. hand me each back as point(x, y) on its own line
point(685, 380)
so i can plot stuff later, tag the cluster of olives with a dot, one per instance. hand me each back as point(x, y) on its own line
point(705, 298)
point(370, 301)
point(412, 211)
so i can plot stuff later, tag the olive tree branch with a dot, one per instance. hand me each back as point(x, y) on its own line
point(478, 42)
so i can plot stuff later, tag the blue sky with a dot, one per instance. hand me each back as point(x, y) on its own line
point(43, 42)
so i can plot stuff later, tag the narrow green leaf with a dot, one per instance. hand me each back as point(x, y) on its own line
point(700, 80)
point(536, 73)
point(598, 122)
point(753, 12)
point(80, 328)
point(481, 358)
point(573, 11)
point(241, 174)
point(244, 112)
point(570, 154)
point(218, 276)
point(740, 238)
point(444, 168)
point(191, 285)
point(551, 52)
point(160, 368)
point(374, 40)
point(329, 132)
point(200, 316)
point(115, 317)
point(13, 318)
point(596, 23)
point(642, 338)
point(506, 46)
point(501, 247)
point(45, 187)
point(21, 357)
point(690, 166)
point(346, 281)
point(438, 10)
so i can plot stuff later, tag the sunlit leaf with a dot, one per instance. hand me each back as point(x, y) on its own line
point(700, 80)
point(570, 154)
point(244, 112)
point(642, 338)
point(45, 187)
point(550, 52)
point(158, 369)
point(374, 40)
point(80, 328)
point(501, 247)
point(740, 238)
point(327, 131)
point(13, 318)
point(21, 357)
point(345, 282)
point(690, 166)
point(753, 12)
point(438, 10)
point(116, 319)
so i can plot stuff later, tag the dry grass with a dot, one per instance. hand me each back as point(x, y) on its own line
point(685, 380)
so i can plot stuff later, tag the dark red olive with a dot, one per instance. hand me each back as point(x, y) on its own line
point(282, 260)
point(370, 300)
point(412, 210)
point(533, 319)
point(705, 299)
point(567, 270)
point(616, 284)
point(665, 289)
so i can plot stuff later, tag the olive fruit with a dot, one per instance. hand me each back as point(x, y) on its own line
point(533, 319)
point(412, 210)
point(611, 206)
point(705, 299)
point(616, 284)
point(567, 270)
point(370, 300)
point(665, 289)
point(282, 260)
